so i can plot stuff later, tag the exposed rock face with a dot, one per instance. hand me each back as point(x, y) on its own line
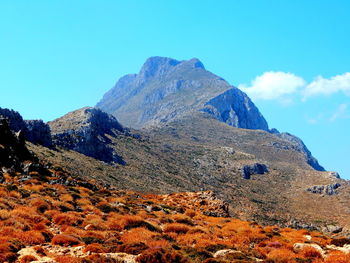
point(12, 148)
point(35, 131)
point(15, 120)
point(236, 109)
point(39, 132)
point(166, 89)
point(329, 189)
point(85, 131)
point(257, 168)
point(299, 146)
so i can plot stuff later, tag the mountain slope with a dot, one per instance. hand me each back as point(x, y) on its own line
point(199, 152)
point(48, 215)
point(166, 89)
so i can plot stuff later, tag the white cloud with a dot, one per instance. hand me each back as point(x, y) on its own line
point(273, 86)
point(340, 113)
point(323, 86)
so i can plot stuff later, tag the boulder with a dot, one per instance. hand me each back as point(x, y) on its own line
point(257, 168)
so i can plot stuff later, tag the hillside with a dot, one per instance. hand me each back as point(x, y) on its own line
point(200, 153)
point(48, 215)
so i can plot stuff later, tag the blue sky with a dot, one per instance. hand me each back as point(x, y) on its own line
point(291, 57)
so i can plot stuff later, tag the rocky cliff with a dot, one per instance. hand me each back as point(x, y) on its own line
point(86, 131)
point(35, 131)
point(167, 89)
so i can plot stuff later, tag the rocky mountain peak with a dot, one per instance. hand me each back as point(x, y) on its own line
point(167, 89)
point(156, 67)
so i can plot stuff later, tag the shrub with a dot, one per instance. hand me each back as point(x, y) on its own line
point(310, 252)
point(160, 256)
point(280, 256)
point(135, 235)
point(338, 257)
point(183, 219)
point(68, 259)
point(8, 257)
point(95, 248)
point(28, 258)
point(96, 258)
point(65, 240)
point(4, 214)
point(32, 237)
point(66, 219)
point(176, 228)
point(134, 248)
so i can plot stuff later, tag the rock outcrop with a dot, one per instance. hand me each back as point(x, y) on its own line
point(13, 151)
point(167, 89)
point(257, 168)
point(38, 132)
point(236, 109)
point(35, 131)
point(330, 189)
point(85, 131)
point(298, 145)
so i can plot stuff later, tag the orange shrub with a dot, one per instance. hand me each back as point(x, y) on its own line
point(310, 252)
point(68, 259)
point(66, 219)
point(28, 258)
point(136, 235)
point(158, 243)
point(338, 257)
point(176, 228)
point(161, 256)
point(32, 237)
point(190, 212)
point(282, 255)
point(95, 248)
point(4, 214)
point(129, 221)
point(65, 240)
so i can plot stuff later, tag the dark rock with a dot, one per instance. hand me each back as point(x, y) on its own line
point(35, 131)
point(39, 133)
point(329, 189)
point(2, 178)
point(15, 120)
point(340, 242)
point(256, 168)
point(13, 150)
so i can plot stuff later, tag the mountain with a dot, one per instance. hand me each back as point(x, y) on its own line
point(166, 89)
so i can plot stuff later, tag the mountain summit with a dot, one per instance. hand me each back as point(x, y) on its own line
point(166, 89)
